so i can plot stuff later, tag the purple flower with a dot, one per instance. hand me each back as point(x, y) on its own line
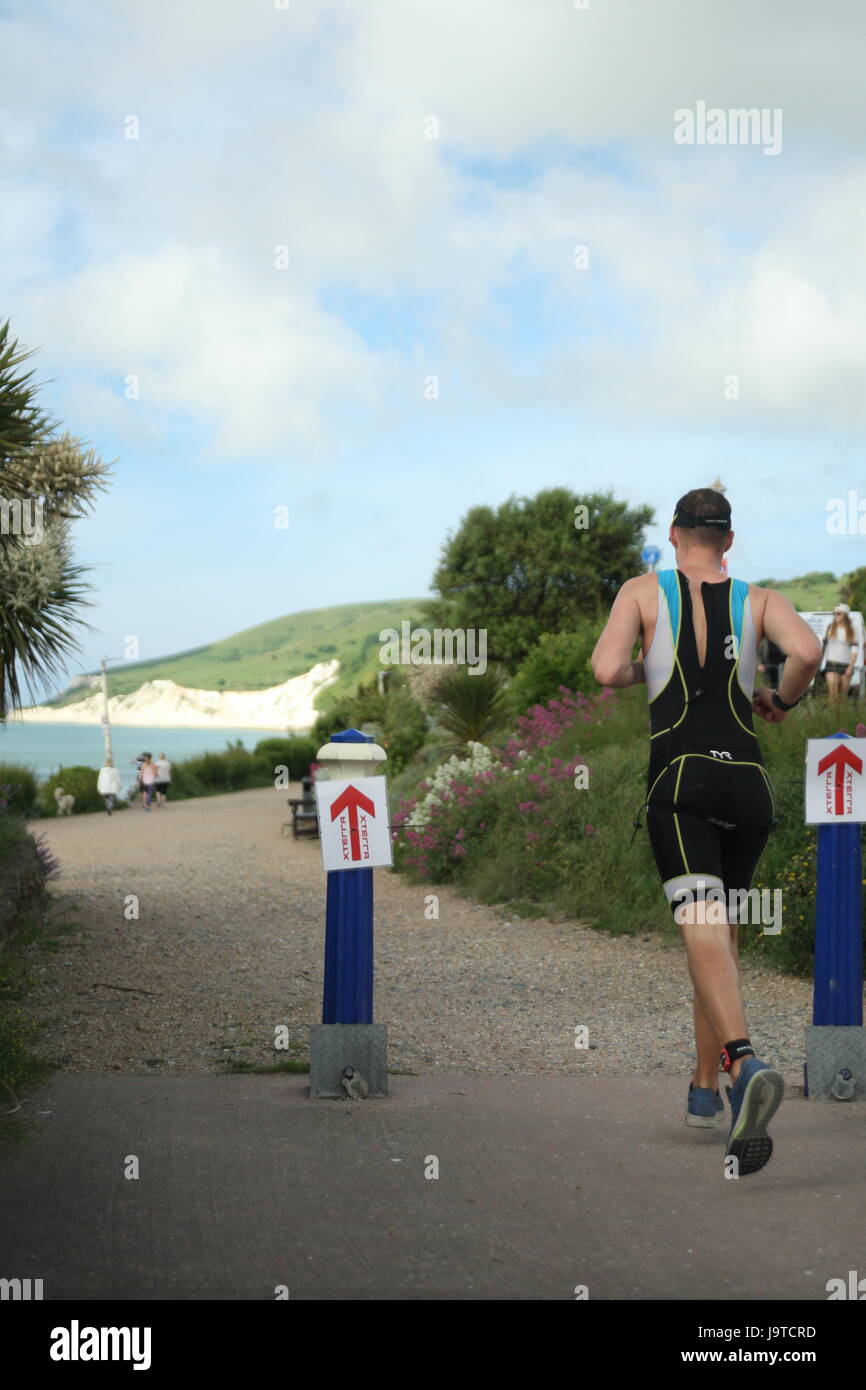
point(50, 865)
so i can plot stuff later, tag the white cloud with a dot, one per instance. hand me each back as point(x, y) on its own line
point(305, 127)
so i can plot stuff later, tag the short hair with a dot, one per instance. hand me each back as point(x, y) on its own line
point(699, 509)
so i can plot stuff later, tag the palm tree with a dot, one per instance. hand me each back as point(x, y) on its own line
point(42, 588)
point(472, 708)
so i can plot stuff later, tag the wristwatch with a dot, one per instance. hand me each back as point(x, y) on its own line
point(780, 703)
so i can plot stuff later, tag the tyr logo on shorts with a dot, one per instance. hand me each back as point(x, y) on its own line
point(717, 754)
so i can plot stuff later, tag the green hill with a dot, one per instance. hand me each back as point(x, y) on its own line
point(809, 593)
point(268, 655)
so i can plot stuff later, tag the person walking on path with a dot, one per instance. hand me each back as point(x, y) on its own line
point(709, 803)
point(109, 783)
point(147, 778)
point(163, 779)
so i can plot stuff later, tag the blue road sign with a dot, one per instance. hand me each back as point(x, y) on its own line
point(651, 555)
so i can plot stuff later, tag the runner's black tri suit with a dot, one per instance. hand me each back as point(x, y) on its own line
point(709, 802)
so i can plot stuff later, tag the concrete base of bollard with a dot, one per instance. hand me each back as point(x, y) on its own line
point(829, 1048)
point(334, 1046)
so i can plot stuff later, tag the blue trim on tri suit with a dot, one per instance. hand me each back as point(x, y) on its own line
point(670, 583)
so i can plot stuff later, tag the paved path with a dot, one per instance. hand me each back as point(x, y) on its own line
point(544, 1184)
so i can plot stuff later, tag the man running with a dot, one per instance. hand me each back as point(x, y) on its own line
point(709, 804)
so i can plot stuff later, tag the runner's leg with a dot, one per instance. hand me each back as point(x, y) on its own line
point(715, 976)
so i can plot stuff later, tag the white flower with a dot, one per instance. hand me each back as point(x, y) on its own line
point(453, 770)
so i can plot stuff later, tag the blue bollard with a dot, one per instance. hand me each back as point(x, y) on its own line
point(348, 992)
point(838, 989)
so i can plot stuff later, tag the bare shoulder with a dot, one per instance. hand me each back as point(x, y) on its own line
point(758, 594)
point(642, 591)
point(640, 584)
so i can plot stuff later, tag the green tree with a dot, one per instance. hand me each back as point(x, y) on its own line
point(536, 565)
point(50, 480)
point(854, 590)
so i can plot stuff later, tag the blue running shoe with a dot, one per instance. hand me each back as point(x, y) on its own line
point(704, 1108)
point(755, 1097)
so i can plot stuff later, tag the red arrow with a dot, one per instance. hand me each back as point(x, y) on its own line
point(351, 799)
point(837, 759)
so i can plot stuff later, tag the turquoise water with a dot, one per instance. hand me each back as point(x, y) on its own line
point(44, 747)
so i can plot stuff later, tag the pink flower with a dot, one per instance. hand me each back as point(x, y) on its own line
point(589, 830)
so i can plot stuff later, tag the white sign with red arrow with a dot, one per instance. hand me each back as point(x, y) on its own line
point(354, 825)
point(835, 780)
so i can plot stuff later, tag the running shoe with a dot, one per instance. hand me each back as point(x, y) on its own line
point(755, 1097)
point(704, 1108)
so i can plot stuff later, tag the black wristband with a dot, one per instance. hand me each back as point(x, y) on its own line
point(780, 703)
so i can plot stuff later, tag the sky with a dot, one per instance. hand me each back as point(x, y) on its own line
point(365, 266)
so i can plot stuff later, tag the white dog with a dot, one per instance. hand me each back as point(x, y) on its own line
point(65, 802)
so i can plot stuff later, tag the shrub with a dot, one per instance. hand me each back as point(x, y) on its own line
point(295, 752)
point(19, 790)
point(79, 782)
point(231, 770)
point(405, 729)
point(336, 715)
point(558, 659)
point(23, 874)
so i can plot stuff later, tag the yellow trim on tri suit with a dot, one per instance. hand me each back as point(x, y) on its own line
point(736, 666)
point(677, 667)
point(676, 817)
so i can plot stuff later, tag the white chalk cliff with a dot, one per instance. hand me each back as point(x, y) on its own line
point(165, 705)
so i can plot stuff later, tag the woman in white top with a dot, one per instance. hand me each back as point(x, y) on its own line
point(163, 779)
point(840, 643)
point(109, 783)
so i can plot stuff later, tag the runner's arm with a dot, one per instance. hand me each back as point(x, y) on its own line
point(611, 660)
point(803, 651)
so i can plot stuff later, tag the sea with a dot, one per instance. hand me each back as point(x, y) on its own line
point(46, 747)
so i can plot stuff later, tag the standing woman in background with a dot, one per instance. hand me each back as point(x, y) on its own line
point(840, 644)
point(147, 778)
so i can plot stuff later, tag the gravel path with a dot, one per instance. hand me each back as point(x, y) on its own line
point(229, 945)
